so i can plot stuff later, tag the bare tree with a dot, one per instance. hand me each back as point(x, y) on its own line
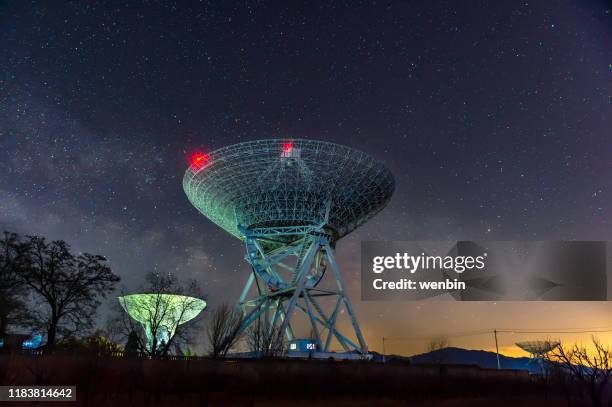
point(223, 330)
point(262, 339)
point(69, 286)
point(12, 290)
point(438, 344)
point(163, 318)
point(436, 347)
point(592, 371)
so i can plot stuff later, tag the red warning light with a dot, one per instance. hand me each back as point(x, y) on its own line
point(198, 160)
point(287, 147)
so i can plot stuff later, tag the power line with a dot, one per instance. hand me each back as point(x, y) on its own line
point(490, 331)
point(555, 332)
point(559, 329)
point(457, 335)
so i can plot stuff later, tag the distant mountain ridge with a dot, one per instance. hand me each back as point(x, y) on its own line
point(459, 356)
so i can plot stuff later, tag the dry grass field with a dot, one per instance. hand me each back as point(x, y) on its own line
point(116, 381)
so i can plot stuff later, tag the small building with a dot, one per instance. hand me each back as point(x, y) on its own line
point(13, 342)
point(33, 342)
point(302, 345)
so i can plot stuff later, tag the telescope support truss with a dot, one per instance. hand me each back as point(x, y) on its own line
point(286, 281)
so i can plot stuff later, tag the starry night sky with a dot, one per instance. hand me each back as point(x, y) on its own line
point(495, 118)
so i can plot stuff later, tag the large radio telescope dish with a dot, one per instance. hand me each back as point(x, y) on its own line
point(271, 183)
point(290, 201)
point(537, 351)
point(538, 348)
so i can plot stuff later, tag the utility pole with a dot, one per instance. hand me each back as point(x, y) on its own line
point(383, 349)
point(496, 349)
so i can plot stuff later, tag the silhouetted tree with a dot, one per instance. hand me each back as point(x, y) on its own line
point(436, 349)
point(159, 313)
point(131, 347)
point(262, 339)
point(70, 287)
point(12, 290)
point(223, 330)
point(591, 370)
